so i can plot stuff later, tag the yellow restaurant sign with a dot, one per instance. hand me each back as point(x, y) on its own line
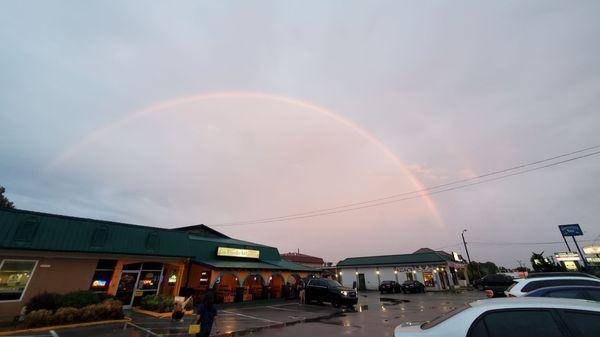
point(235, 252)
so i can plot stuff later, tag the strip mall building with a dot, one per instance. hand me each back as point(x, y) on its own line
point(46, 252)
point(437, 270)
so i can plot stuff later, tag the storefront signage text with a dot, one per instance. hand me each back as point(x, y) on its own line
point(235, 252)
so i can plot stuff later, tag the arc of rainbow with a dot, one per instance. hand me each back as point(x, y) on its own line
point(100, 132)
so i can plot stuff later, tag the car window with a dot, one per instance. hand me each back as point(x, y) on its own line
point(331, 283)
point(594, 294)
point(567, 293)
point(559, 282)
point(521, 323)
point(478, 329)
point(582, 324)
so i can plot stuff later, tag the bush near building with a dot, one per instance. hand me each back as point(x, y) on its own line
point(158, 303)
point(80, 306)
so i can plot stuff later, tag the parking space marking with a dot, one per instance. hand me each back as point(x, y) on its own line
point(53, 333)
point(284, 309)
point(141, 328)
point(254, 317)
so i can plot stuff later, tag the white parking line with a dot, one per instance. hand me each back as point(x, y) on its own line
point(278, 308)
point(254, 317)
point(143, 329)
point(53, 333)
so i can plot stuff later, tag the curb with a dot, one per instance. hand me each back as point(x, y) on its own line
point(66, 326)
point(158, 314)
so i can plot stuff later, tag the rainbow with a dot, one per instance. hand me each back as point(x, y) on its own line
point(101, 132)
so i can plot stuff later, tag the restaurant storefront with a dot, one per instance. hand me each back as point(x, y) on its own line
point(437, 270)
point(42, 252)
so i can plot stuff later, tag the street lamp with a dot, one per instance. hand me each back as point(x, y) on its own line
point(465, 243)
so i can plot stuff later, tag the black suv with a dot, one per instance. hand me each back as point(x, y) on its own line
point(389, 287)
point(326, 290)
point(497, 283)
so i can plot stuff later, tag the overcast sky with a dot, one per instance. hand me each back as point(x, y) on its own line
point(304, 105)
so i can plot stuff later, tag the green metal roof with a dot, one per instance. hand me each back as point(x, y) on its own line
point(432, 257)
point(28, 230)
point(41, 231)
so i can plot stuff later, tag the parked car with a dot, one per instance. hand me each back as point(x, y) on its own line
point(326, 290)
point(410, 286)
point(523, 286)
point(497, 283)
point(590, 293)
point(513, 317)
point(389, 287)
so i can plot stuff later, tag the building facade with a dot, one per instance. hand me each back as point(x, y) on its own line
point(435, 269)
point(42, 252)
point(303, 259)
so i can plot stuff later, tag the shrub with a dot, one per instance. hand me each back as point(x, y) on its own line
point(159, 303)
point(80, 299)
point(67, 315)
point(106, 310)
point(37, 318)
point(46, 301)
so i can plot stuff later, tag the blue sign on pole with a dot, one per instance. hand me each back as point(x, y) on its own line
point(570, 230)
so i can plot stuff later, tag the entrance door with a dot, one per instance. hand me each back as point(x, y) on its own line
point(361, 282)
point(127, 287)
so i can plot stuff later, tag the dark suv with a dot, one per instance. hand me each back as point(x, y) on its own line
point(326, 290)
point(497, 283)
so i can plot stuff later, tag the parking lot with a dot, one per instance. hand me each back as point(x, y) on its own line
point(375, 314)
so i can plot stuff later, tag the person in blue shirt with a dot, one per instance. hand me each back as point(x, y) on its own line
point(206, 315)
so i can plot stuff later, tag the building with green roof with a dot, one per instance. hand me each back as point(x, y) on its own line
point(56, 253)
point(437, 270)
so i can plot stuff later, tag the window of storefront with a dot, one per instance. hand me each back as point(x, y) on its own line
point(103, 275)
point(14, 278)
point(409, 276)
point(428, 279)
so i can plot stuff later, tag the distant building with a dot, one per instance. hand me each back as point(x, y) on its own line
point(438, 270)
point(303, 259)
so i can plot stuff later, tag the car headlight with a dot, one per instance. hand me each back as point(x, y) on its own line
point(344, 292)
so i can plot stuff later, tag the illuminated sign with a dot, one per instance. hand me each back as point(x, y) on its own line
point(570, 230)
point(148, 282)
point(570, 256)
point(456, 257)
point(235, 252)
point(591, 249)
point(570, 265)
point(593, 259)
point(172, 279)
point(98, 283)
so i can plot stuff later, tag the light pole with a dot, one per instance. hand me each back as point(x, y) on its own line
point(465, 243)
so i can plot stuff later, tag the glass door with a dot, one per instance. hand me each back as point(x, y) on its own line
point(127, 287)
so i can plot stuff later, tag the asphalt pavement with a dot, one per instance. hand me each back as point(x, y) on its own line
point(375, 315)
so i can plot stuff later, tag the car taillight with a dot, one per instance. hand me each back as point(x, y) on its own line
point(489, 293)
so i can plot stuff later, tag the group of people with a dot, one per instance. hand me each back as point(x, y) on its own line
point(206, 314)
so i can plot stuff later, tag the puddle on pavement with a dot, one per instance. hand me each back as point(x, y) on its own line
point(392, 301)
point(356, 308)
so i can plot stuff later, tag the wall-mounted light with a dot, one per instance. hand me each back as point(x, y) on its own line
point(395, 272)
point(356, 273)
point(340, 273)
point(377, 272)
point(414, 271)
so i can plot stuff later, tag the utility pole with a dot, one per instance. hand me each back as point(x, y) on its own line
point(465, 243)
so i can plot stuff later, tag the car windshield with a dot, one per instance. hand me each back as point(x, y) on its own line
point(332, 283)
point(443, 317)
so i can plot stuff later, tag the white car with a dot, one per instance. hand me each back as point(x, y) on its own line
point(524, 286)
point(513, 317)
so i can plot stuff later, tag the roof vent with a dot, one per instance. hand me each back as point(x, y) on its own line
point(152, 241)
point(26, 231)
point(99, 237)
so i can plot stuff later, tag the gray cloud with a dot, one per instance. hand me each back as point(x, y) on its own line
point(452, 88)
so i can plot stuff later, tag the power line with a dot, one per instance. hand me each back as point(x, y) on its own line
point(521, 243)
point(369, 203)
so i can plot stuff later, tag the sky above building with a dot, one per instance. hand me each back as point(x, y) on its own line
point(179, 113)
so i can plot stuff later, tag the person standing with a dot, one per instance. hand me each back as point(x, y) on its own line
point(301, 292)
point(206, 315)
